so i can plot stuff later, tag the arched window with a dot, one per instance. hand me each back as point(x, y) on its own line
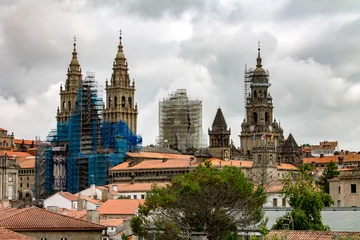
point(254, 93)
point(123, 101)
point(130, 101)
point(64, 105)
point(69, 106)
point(267, 118)
point(109, 105)
point(255, 117)
point(115, 101)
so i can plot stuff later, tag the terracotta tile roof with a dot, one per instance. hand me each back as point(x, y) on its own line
point(92, 200)
point(274, 187)
point(72, 213)
point(286, 166)
point(136, 187)
point(26, 163)
point(154, 155)
point(311, 235)
point(236, 163)
point(347, 158)
point(69, 196)
point(39, 219)
point(2, 129)
point(325, 145)
point(26, 142)
point(148, 164)
point(111, 222)
point(10, 235)
point(120, 206)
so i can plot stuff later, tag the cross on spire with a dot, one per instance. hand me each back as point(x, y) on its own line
point(120, 35)
point(259, 43)
point(74, 43)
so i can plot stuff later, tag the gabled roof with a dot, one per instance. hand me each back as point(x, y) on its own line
point(311, 235)
point(27, 163)
point(72, 213)
point(120, 206)
point(68, 196)
point(6, 234)
point(334, 158)
point(154, 164)
point(219, 120)
point(290, 142)
point(39, 219)
point(112, 222)
point(154, 155)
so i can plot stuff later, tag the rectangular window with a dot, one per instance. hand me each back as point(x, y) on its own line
point(353, 188)
point(135, 196)
point(142, 196)
point(339, 190)
point(284, 202)
point(10, 192)
point(339, 203)
point(27, 185)
point(274, 202)
point(21, 185)
point(28, 178)
point(20, 178)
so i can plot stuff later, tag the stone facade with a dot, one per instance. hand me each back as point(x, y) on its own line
point(6, 140)
point(55, 235)
point(26, 179)
point(120, 99)
point(9, 170)
point(290, 152)
point(344, 190)
point(219, 137)
point(68, 94)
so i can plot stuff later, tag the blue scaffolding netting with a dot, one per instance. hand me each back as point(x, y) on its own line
point(90, 145)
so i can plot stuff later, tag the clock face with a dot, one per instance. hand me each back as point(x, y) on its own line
point(270, 127)
point(252, 128)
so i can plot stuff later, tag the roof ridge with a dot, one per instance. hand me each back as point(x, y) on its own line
point(21, 210)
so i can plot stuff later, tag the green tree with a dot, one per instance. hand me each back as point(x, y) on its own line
point(307, 202)
point(331, 171)
point(218, 202)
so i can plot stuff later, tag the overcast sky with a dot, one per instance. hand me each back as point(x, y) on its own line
point(311, 48)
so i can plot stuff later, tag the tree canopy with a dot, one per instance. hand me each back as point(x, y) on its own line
point(218, 202)
point(331, 171)
point(307, 202)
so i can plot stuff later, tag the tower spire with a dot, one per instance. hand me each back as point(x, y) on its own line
point(74, 60)
point(120, 53)
point(259, 60)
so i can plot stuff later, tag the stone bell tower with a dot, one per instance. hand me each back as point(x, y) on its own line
point(260, 133)
point(120, 99)
point(68, 94)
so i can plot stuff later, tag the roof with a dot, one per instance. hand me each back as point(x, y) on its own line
point(120, 206)
point(310, 235)
point(136, 187)
point(325, 145)
point(274, 187)
point(72, 213)
point(39, 219)
point(2, 129)
point(92, 200)
point(335, 158)
point(151, 164)
point(219, 120)
point(68, 196)
point(6, 234)
point(27, 163)
point(286, 166)
point(290, 142)
point(26, 142)
point(111, 222)
point(154, 155)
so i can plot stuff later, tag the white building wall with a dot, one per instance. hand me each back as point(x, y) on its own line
point(279, 200)
point(91, 206)
point(91, 191)
point(59, 201)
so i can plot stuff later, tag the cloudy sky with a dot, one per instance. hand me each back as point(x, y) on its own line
point(311, 48)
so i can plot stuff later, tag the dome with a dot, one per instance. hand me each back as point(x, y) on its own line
point(74, 62)
point(120, 55)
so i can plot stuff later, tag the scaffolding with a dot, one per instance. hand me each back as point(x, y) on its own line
point(180, 122)
point(82, 149)
point(248, 73)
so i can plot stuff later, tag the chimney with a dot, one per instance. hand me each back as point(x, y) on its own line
point(341, 160)
point(93, 216)
point(93, 190)
point(132, 178)
point(115, 188)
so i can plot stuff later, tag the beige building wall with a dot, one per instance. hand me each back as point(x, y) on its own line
point(26, 179)
point(6, 140)
point(345, 190)
point(69, 235)
point(8, 179)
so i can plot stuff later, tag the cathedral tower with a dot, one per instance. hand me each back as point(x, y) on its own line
point(68, 94)
point(219, 137)
point(120, 104)
point(260, 133)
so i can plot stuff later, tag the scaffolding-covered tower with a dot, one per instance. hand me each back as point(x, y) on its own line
point(180, 122)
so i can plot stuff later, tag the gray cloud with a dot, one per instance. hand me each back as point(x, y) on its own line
point(309, 8)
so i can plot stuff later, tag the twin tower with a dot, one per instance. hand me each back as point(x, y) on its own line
point(120, 92)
